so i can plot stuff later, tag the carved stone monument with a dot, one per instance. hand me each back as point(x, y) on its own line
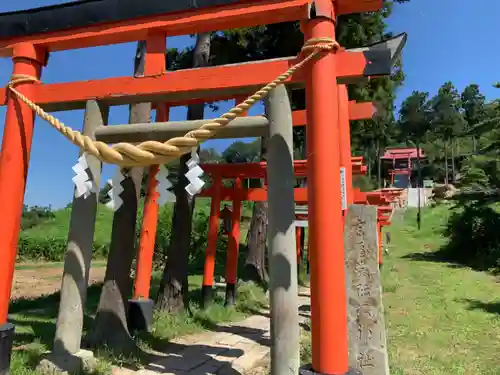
point(367, 335)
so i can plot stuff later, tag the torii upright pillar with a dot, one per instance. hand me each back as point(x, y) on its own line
point(328, 285)
point(14, 160)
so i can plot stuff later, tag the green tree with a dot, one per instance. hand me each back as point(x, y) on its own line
point(210, 155)
point(380, 131)
point(414, 119)
point(489, 129)
point(415, 116)
point(474, 174)
point(473, 106)
point(482, 170)
point(447, 120)
point(241, 152)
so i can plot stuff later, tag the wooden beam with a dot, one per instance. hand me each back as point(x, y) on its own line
point(299, 118)
point(251, 195)
point(259, 169)
point(241, 14)
point(361, 111)
point(357, 111)
point(255, 126)
point(260, 194)
point(189, 85)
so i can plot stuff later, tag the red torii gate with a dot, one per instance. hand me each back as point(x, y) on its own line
point(29, 51)
point(352, 165)
point(237, 194)
point(382, 199)
point(355, 111)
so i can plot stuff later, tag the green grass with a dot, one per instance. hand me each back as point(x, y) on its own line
point(442, 318)
point(48, 239)
point(35, 324)
point(58, 227)
point(28, 266)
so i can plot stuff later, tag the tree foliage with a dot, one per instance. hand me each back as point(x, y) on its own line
point(415, 116)
point(447, 117)
point(473, 104)
point(242, 152)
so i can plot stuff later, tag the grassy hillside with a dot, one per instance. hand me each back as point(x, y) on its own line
point(442, 317)
point(47, 240)
point(58, 227)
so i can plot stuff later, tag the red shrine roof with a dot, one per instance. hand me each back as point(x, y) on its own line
point(402, 153)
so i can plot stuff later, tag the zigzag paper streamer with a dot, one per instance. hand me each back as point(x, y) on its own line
point(116, 189)
point(194, 174)
point(163, 187)
point(83, 182)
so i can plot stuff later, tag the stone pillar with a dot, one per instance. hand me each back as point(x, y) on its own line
point(78, 256)
point(285, 337)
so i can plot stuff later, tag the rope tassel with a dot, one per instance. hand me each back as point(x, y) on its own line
point(164, 186)
point(194, 174)
point(84, 185)
point(116, 189)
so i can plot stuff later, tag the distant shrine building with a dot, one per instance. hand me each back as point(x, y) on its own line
point(399, 166)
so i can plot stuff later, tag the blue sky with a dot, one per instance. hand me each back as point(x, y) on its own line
point(448, 40)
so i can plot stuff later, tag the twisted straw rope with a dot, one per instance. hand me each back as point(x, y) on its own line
point(153, 152)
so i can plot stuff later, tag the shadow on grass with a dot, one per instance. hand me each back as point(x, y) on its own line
point(439, 256)
point(35, 318)
point(35, 322)
point(473, 233)
point(48, 304)
point(489, 307)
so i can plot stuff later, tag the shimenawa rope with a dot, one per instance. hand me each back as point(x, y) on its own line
point(153, 152)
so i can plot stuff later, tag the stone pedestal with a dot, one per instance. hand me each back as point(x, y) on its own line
point(66, 364)
point(7, 332)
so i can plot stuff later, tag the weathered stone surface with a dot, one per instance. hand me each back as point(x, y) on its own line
point(367, 335)
point(67, 364)
point(285, 340)
point(69, 325)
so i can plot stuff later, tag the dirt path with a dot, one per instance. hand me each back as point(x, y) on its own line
point(38, 281)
